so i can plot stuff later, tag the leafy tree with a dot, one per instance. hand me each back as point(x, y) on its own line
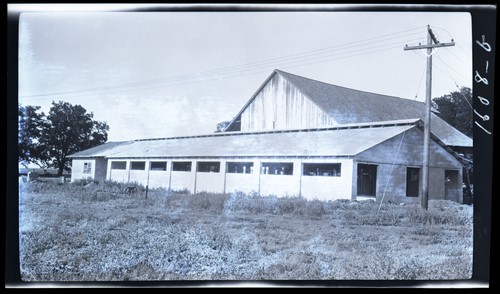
point(30, 125)
point(455, 108)
point(65, 130)
point(222, 126)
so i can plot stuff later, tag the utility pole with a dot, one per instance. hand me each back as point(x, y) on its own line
point(432, 44)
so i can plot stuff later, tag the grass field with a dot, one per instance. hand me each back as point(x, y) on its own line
point(95, 232)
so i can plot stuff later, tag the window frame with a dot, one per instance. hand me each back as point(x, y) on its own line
point(234, 167)
point(118, 162)
point(142, 163)
point(208, 166)
point(87, 167)
point(266, 168)
point(322, 168)
point(176, 167)
point(163, 165)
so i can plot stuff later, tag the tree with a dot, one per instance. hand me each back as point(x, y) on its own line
point(69, 129)
point(222, 126)
point(456, 109)
point(30, 125)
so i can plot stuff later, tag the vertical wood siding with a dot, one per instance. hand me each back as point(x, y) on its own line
point(279, 105)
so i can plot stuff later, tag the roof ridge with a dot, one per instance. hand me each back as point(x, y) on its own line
point(343, 87)
point(376, 124)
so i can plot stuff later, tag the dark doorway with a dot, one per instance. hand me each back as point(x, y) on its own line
point(412, 181)
point(367, 179)
point(451, 185)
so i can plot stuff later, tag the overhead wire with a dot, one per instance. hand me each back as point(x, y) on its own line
point(449, 75)
point(448, 66)
point(321, 58)
point(456, 57)
point(451, 36)
point(227, 76)
point(204, 75)
point(434, 65)
point(420, 82)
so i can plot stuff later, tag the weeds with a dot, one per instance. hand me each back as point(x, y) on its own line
point(96, 231)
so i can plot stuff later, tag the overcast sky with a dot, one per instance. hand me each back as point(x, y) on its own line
point(161, 74)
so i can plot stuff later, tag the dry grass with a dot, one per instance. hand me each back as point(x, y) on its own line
point(95, 232)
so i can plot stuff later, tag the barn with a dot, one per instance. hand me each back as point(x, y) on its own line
point(299, 137)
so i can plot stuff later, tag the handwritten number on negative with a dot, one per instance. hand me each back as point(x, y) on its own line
point(484, 44)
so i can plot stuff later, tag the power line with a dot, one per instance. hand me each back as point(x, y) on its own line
point(419, 83)
point(446, 72)
point(448, 66)
point(234, 75)
point(459, 90)
point(459, 59)
point(449, 75)
point(458, 45)
point(302, 54)
point(242, 67)
point(199, 76)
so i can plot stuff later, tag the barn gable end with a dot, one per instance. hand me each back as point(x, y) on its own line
point(279, 104)
point(289, 101)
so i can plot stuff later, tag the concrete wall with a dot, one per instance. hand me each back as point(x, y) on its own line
point(118, 175)
point(211, 181)
point(279, 105)
point(391, 178)
point(280, 185)
point(139, 176)
point(77, 169)
point(326, 187)
point(390, 184)
point(310, 187)
point(159, 178)
point(246, 183)
point(180, 180)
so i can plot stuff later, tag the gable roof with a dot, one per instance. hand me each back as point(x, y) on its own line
point(92, 152)
point(329, 142)
point(347, 106)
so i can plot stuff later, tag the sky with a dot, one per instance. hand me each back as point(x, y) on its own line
point(163, 74)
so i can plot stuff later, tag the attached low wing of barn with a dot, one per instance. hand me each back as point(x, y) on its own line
point(287, 101)
point(318, 142)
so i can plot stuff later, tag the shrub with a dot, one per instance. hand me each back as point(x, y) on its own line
point(213, 202)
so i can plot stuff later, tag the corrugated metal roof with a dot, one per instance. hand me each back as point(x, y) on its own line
point(354, 106)
point(91, 152)
point(346, 141)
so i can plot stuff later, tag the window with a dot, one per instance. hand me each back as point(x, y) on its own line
point(158, 165)
point(118, 165)
point(87, 167)
point(208, 167)
point(184, 166)
point(321, 169)
point(138, 165)
point(277, 168)
point(240, 167)
point(412, 181)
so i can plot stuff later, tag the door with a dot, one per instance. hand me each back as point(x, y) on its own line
point(367, 179)
point(451, 185)
point(412, 181)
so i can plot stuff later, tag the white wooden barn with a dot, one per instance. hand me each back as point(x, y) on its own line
point(298, 137)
